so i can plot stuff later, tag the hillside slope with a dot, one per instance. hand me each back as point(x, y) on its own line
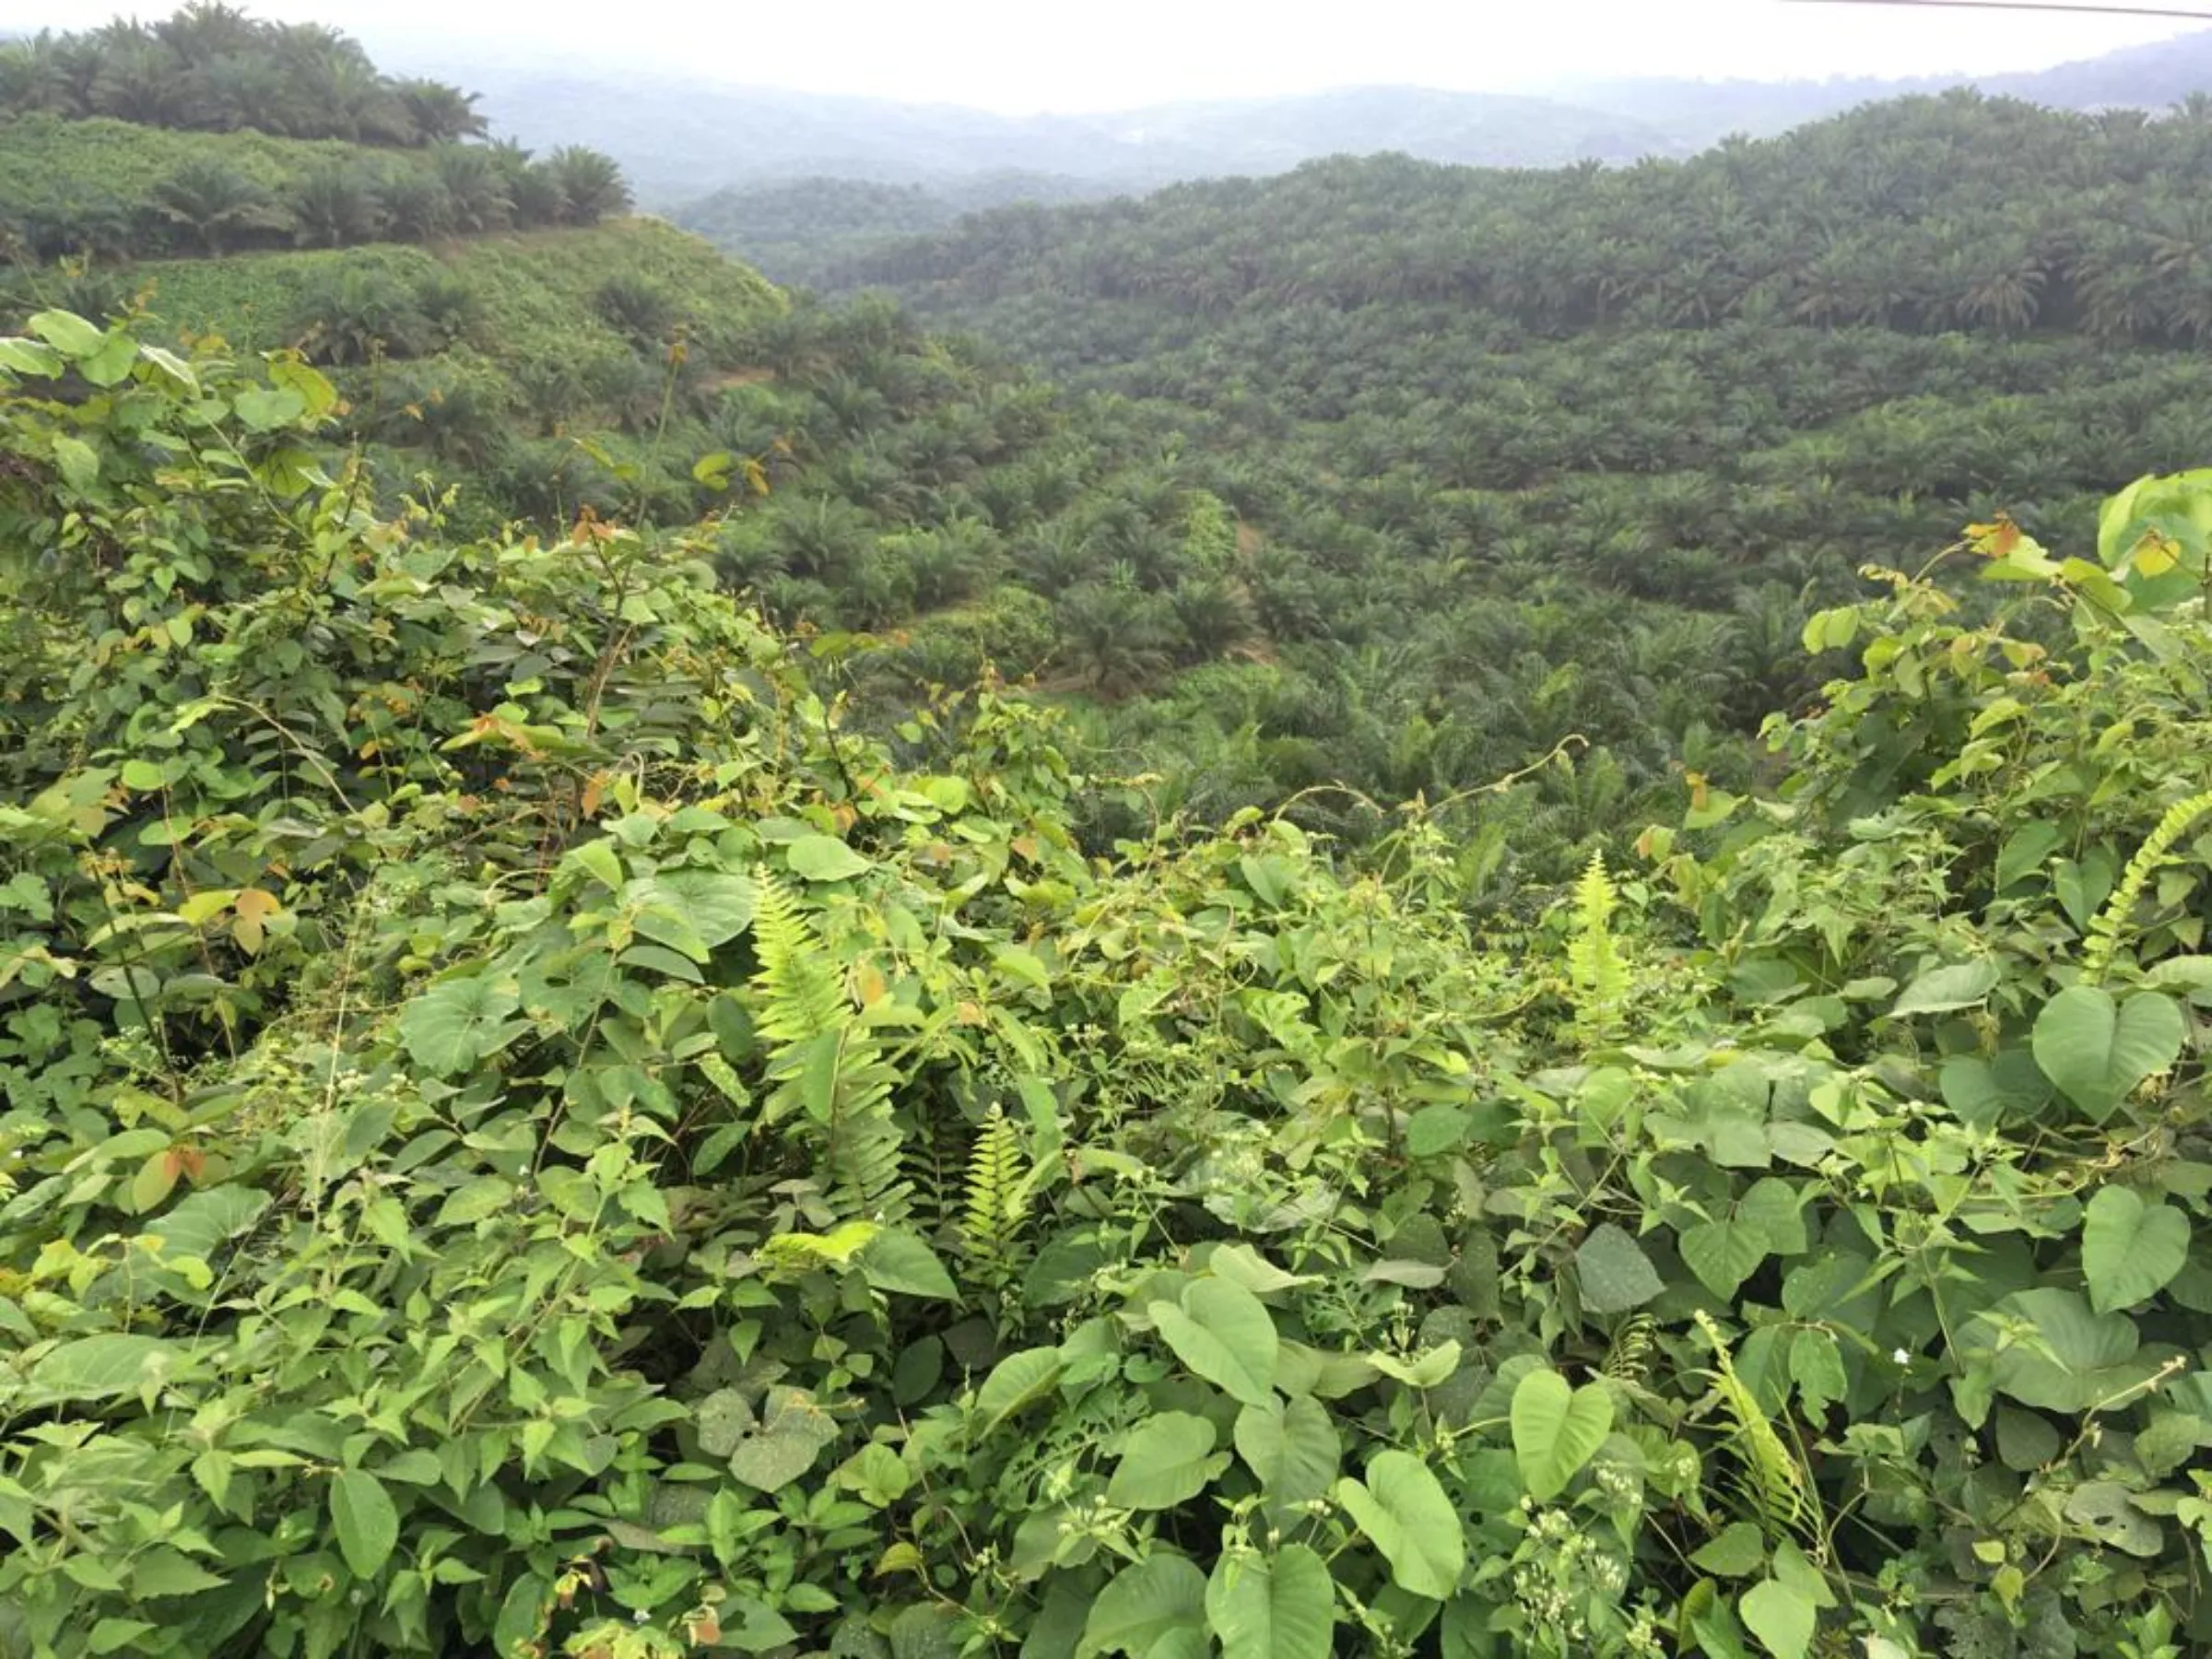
point(1530, 459)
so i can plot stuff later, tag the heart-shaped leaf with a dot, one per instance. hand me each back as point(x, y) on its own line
point(2097, 1050)
point(452, 1026)
point(1145, 1605)
point(1940, 990)
point(2074, 1359)
point(1292, 1448)
point(1556, 1428)
point(1404, 1511)
point(1782, 1619)
point(1724, 1253)
point(1167, 1461)
point(1283, 1607)
point(1614, 1272)
point(825, 858)
point(2130, 1250)
point(1225, 1334)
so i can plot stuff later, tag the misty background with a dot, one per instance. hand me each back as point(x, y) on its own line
point(803, 140)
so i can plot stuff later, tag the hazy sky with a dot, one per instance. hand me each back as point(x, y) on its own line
point(1021, 56)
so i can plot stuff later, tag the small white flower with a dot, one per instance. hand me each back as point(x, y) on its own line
point(1902, 1358)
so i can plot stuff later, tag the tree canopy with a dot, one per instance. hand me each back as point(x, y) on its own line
point(211, 67)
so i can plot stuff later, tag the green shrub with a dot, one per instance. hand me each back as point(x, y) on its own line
point(523, 1133)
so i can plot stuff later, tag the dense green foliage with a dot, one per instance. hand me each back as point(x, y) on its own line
point(211, 132)
point(540, 374)
point(211, 67)
point(104, 192)
point(806, 231)
point(1523, 457)
point(526, 1135)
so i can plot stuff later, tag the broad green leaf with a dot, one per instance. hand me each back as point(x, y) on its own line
point(68, 333)
point(30, 357)
point(751, 1626)
point(264, 409)
point(825, 858)
point(2130, 1250)
point(1282, 1607)
point(1782, 1619)
point(1154, 1600)
point(97, 1368)
point(1556, 1428)
point(1941, 989)
point(2069, 1359)
point(792, 1430)
point(2025, 1440)
point(2097, 1050)
point(113, 363)
point(1405, 1513)
point(1738, 1552)
point(486, 1196)
point(316, 392)
point(2110, 1513)
point(202, 1223)
point(715, 907)
point(1017, 1383)
point(165, 1572)
point(366, 1523)
point(1614, 1272)
point(899, 1261)
point(1225, 1334)
point(1816, 1368)
point(1166, 1461)
point(724, 1419)
point(1292, 1448)
point(452, 1026)
point(1777, 1209)
point(1987, 1093)
point(1724, 1253)
point(413, 1467)
point(1241, 1264)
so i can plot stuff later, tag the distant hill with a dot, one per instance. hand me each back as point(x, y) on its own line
point(680, 142)
point(1698, 113)
point(2140, 77)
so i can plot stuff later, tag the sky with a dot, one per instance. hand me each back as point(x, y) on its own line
point(1020, 57)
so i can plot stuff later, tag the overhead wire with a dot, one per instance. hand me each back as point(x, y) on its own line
point(2079, 7)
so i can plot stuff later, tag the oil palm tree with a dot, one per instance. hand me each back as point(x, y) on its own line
point(215, 204)
point(592, 186)
point(439, 112)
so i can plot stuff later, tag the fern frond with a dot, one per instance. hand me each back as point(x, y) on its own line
point(1601, 979)
point(1629, 1358)
point(800, 997)
point(936, 1162)
point(826, 1066)
point(1774, 1482)
point(2109, 927)
point(865, 1155)
point(998, 1191)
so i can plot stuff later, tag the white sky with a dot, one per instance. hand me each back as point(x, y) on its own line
point(1023, 55)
